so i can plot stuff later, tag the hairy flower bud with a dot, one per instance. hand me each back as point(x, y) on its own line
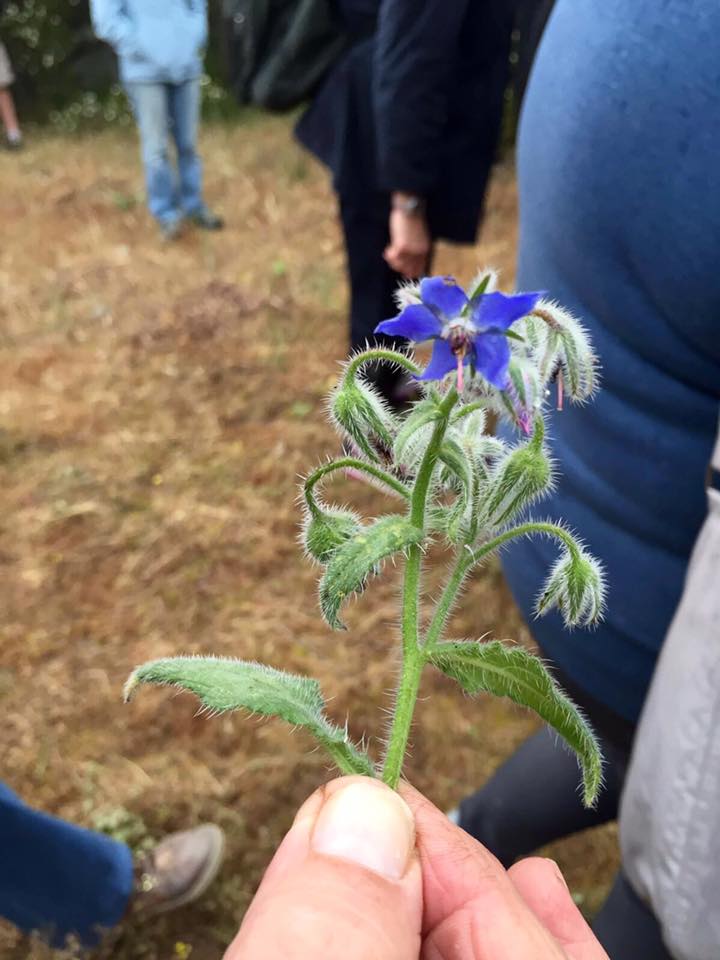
point(326, 529)
point(361, 413)
point(567, 354)
point(524, 394)
point(576, 586)
point(518, 480)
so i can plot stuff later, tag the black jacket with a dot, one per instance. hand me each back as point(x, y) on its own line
point(416, 105)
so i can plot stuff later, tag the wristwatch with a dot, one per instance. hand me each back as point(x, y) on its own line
point(411, 205)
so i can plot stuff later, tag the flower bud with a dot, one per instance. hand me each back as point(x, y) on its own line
point(524, 394)
point(576, 586)
point(327, 529)
point(567, 352)
point(360, 412)
point(518, 480)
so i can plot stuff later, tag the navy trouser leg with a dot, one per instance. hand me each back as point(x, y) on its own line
point(59, 878)
point(372, 282)
point(533, 799)
point(627, 928)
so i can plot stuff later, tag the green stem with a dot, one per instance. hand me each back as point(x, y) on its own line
point(523, 529)
point(446, 601)
point(391, 356)
point(350, 463)
point(469, 408)
point(468, 558)
point(413, 656)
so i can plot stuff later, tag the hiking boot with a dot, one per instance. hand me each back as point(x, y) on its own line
point(179, 869)
point(170, 230)
point(206, 219)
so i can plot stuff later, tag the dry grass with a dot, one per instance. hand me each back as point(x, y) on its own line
point(156, 407)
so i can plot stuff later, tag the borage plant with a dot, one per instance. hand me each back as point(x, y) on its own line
point(454, 482)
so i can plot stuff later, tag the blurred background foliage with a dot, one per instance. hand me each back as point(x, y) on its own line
point(69, 78)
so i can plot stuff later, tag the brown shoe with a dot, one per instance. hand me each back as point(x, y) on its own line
point(179, 869)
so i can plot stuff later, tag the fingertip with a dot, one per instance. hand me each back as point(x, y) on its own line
point(541, 885)
point(534, 872)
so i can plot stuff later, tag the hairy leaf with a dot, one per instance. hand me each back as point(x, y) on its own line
point(223, 684)
point(509, 671)
point(361, 557)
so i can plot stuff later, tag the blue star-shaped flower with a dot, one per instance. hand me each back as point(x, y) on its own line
point(465, 331)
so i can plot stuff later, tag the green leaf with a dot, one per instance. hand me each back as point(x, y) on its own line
point(326, 529)
point(481, 287)
point(222, 684)
point(361, 557)
point(509, 671)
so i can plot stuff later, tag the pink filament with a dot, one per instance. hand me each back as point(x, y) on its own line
point(559, 392)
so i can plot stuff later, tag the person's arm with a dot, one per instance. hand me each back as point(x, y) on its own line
point(415, 52)
point(112, 24)
point(415, 56)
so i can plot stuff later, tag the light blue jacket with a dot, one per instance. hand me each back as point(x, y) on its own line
point(157, 41)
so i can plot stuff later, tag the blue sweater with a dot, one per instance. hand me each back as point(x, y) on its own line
point(157, 41)
point(619, 176)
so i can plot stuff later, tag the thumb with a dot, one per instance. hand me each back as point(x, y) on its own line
point(345, 882)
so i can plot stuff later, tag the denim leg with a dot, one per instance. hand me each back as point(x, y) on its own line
point(58, 878)
point(151, 104)
point(184, 107)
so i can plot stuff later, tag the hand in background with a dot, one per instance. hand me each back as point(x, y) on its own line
point(366, 875)
point(408, 252)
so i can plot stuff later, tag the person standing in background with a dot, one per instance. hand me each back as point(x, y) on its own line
point(408, 124)
point(13, 136)
point(159, 46)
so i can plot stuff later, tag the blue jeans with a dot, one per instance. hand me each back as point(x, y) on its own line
point(57, 878)
point(161, 110)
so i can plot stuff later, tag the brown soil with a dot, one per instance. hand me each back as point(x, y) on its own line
point(157, 405)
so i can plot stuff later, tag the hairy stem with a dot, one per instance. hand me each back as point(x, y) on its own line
point(468, 558)
point(391, 356)
point(522, 530)
point(413, 656)
point(350, 463)
point(447, 600)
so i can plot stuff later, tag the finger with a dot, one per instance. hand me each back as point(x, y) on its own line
point(472, 911)
point(393, 258)
point(410, 265)
point(415, 266)
point(344, 882)
point(541, 885)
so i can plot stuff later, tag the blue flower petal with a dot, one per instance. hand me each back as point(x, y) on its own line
point(444, 297)
point(416, 323)
point(443, 360)
point(495, 311)
point(492, 357)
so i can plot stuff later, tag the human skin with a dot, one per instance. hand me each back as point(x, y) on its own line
point(366, 874)
point(410, 240)
point(7, 113)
